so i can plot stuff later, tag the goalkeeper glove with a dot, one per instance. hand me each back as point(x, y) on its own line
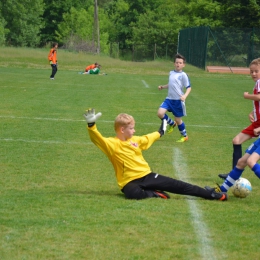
point(91, 117)
point(162, 128)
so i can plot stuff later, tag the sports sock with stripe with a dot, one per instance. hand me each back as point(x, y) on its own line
point(182, 129)
point(168, 119)
point(231, 179)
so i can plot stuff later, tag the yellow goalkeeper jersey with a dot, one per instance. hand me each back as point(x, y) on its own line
point(125, 156)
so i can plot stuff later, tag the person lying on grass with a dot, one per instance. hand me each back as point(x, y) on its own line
point(95, 71)
point(134, 176)
point(91, 67)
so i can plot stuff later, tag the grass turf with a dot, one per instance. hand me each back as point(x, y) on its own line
point(59, 197)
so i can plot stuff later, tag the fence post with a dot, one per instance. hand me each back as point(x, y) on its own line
point(154, 51)
point(252, 47)
point(206, 48)
point(118, 50)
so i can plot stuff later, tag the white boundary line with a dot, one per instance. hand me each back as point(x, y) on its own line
point(108, 121)
point(44, 141)
point(200, 227)
point(145, 84)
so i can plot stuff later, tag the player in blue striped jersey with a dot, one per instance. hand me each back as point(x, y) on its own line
point(178, 90)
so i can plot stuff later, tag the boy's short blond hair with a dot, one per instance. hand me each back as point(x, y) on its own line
point(123, 120)
point(255, 62)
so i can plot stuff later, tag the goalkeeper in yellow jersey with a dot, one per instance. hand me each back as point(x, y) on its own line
point(134, 176)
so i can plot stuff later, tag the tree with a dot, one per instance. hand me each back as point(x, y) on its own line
point(77, 29)
point(53, 15)
point(163, 24)
point(3, 31)
point(158, 21)
point(116, 11)
point(23, 21)
point(240, 13)
point(199, 13)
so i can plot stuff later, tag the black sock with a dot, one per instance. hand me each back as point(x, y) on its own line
point(237, 154)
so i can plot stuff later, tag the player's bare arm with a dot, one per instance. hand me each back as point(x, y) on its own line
point(257, 131)
point(251, 117)
point(162, 87)
point(183, 97)
point(252, 96)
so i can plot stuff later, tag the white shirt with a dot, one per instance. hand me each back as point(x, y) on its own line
point(178, 82)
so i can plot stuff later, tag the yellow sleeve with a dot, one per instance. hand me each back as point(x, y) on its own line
point(106, 145)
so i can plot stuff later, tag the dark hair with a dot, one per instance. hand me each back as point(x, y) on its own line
point(54, 44)
point(179, 56)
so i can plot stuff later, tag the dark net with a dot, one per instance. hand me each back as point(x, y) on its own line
point(205, 46)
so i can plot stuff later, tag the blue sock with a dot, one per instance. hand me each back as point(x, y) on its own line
point(182, 129)
point(256, 170)
point(169, 120)
point(230, 180)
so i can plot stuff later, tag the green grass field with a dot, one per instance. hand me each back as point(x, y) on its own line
point(58, 194)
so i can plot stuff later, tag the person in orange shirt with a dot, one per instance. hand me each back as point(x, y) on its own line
point(52, 57)
point(91, 67)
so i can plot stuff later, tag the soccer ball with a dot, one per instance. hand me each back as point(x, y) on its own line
point(241, 188)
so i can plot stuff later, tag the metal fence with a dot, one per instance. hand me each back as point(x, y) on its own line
point(143, 52)
point(204, 46)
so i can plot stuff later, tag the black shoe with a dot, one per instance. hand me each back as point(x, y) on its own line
point(223, 175)
point(161, 194)
point(217, 194)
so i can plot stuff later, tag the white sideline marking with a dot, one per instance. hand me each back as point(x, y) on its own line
point(44, 141)
point(108, 121)
point(145, 84)
point(202, 232)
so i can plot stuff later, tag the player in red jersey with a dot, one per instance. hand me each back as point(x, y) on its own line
point(254, 116)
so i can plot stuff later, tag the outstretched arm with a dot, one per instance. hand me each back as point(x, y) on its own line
point(255, 97)
point(91, 117)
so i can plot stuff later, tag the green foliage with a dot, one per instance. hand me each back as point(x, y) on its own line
point(159, 21)
point(116, 11)
point(53, 15)
point(240, 13)
point(76, 22)
point(77, 26)
point(156, 26)
point(127, 22)
point(3, 31)
point(23, 21)
point(199, 13)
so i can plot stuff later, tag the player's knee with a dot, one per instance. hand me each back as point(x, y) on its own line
point(178, 120)
point(236, 140)
point(251, 162)
point(242, 163)
point(160, 114)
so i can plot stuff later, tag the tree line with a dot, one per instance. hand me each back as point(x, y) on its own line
point(35, 23)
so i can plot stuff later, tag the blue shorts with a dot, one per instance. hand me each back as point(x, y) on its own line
point(177, 107)
point(254, 147)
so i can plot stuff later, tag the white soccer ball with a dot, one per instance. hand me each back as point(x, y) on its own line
point(241, 188)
